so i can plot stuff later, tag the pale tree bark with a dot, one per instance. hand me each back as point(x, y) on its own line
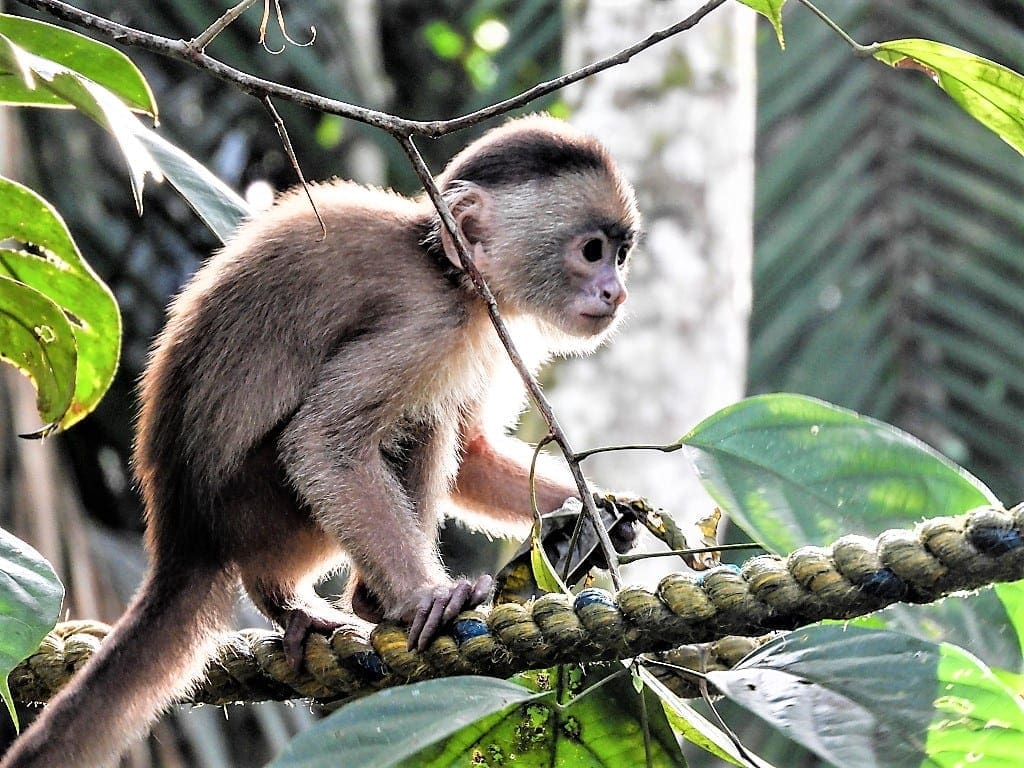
point(679, 118)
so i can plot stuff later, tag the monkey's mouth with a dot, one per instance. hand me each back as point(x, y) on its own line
point(594, 323)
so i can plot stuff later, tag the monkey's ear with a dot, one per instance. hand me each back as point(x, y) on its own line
point(473, 210)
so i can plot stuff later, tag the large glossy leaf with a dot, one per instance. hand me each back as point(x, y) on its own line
point(30, 600)
point(391, 725)
point(880, 699)
point(989, 92)
point(600, 728)
point(100, 63)
point(54, 267)
point(793, 470)
point(473, 720)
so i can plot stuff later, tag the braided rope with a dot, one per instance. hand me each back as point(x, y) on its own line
point(855, 576)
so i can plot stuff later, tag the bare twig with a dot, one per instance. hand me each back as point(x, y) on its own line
point(204, 38)
point(670, 448)
point(282, 131)
point(624, 559)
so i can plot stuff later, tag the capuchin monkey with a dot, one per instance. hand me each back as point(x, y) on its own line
point(316, 401)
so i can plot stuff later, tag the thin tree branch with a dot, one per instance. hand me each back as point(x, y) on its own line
point(282, 132)
point(670, 448)
point(397, 126)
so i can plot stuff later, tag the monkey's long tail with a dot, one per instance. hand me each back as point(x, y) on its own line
point(154, 653)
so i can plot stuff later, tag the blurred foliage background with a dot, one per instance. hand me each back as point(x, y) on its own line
point(889, 265)
point(889, 271)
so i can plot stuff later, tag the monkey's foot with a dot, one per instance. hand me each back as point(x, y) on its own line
point(441, 605)
point(299, 625)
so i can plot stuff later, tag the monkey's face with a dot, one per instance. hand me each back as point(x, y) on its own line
point(595, 264)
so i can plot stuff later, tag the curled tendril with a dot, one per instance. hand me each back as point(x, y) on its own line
point(280, 25)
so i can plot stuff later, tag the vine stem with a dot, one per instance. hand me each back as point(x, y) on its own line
point(670, 448)
point(624, 559)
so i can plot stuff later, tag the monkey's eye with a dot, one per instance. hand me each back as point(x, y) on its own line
point(593, 250)
point(622, 254)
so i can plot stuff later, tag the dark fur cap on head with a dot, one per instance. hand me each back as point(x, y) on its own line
point(532, 147)
point(527, 149)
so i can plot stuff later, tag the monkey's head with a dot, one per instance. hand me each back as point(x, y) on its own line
point(550, 223)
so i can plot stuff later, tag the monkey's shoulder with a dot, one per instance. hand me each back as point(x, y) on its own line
point(366, 231)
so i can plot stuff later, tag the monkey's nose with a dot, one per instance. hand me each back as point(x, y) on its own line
point(614, 295)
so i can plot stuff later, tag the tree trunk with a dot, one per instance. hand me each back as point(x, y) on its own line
point(680, 120)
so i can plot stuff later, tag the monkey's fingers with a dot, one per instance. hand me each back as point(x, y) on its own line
point(427, 618)
point(442, 605)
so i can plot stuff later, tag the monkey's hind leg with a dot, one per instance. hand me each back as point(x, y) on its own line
point(281, 554)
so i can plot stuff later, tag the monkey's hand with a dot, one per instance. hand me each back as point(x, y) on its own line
point(626, 512)
point(439, 604)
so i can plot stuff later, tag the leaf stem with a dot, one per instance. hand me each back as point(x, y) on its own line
point(860, 50)
point(624, 559)
point(639, 447)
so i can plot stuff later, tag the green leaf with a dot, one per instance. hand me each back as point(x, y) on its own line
point(879, 699)
point(793, 470)
point(74, 89)
point(30, 600)
point(394, 724)
point(543, 572)
point(771, 10)
point(989, 92)
point(220, 207)
point(600, 727)
point(693, 726)
point(482, 721)
point(100, 63)
point(1012, 597)
point(36, 338)
point(55, 268)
